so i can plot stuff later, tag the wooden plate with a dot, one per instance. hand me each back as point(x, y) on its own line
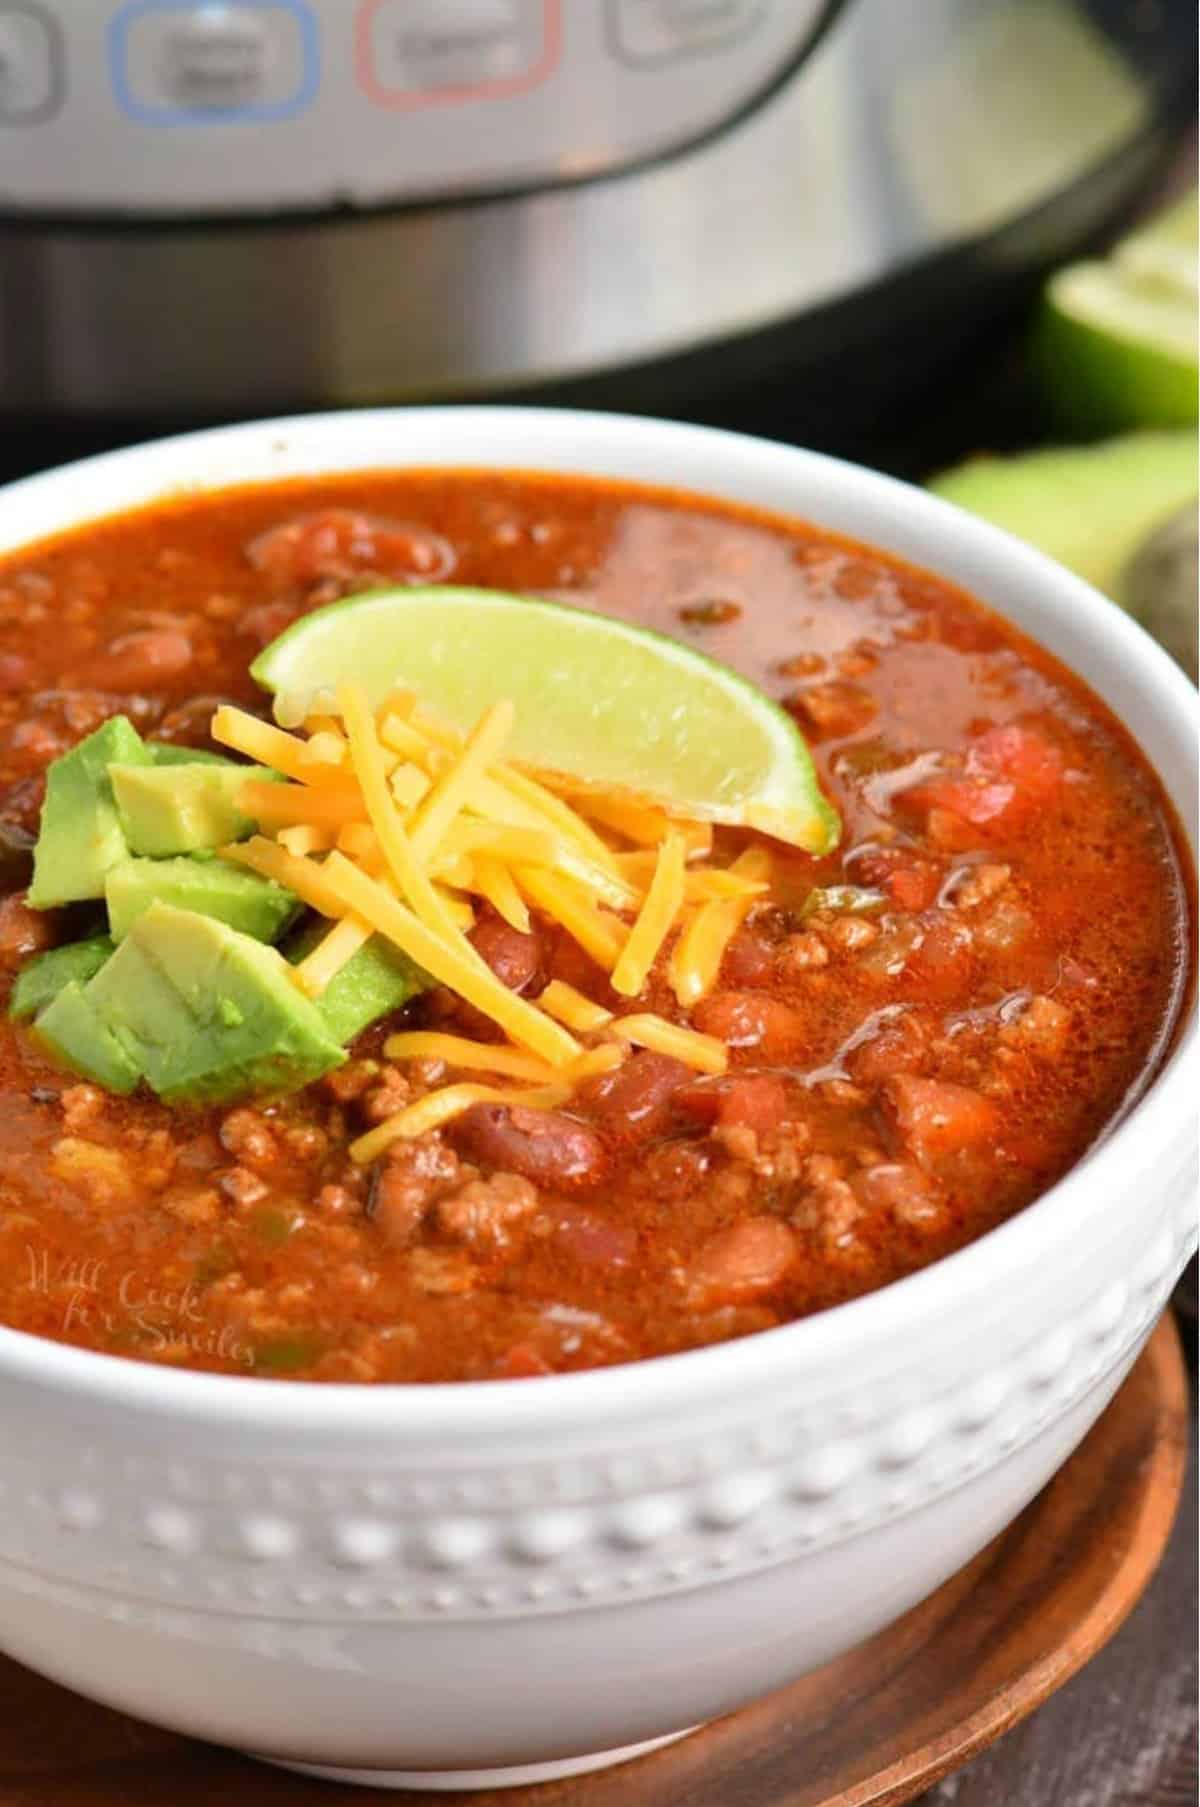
point(873, 1729)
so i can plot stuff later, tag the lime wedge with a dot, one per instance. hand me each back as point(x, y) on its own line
point(596, 699)
point(1117, 341)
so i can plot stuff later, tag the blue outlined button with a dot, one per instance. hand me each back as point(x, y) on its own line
point(179, 62)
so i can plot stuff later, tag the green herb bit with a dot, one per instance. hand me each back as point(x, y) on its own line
point(843, 900)
point(284, 1354)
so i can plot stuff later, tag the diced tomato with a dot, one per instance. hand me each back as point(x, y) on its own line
point(1009, 771)
point(911, 883)
point(756, 1101)
point(1032, 763)
point(912, 887)
point(934, 1118)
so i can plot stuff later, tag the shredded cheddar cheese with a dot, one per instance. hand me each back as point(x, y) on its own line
point(451, 962)
point(704, 1052)
point(401, 737)
point(273, 806)
point(605, 1059)
point(563, 817)
point(656, 919)
point(495, 882)
point(598, 933)
point(450, 792)
point(305, 838)
point(317, 971)
point(325, 748)
point(409, 784)
point(696, 959)
point(270, 746)
point(569, 1006)
point(359, 840)
point(393, 823)
point(460, 1051)
point(531, 846)
point(409, 873)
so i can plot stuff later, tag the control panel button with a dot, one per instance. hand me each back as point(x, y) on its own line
point(426, 52)
point(177, 63)
point(31, 65)
point(660, 31)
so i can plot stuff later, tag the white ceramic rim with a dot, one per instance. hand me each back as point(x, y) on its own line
point(876, 509)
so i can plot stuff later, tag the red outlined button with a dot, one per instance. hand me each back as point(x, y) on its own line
point(432, 53)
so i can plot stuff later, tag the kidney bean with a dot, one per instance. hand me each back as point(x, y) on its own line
point(674, 1170)
point(266, 621)
point(634, 1102)
point(542, 1146)
point(24, 931)
point(756, 1101)
point(16, 857)
point(516, 959)
point(750, 958)
point(21, 806)
point(341, 543)
point(566, 960)
point(750, 1019)
point(141, 660)
point(741, 1262)
point(594, 1241)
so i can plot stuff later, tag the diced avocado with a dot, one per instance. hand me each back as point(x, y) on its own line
point(166, 753)
point(208, 1013)
point(1089, 507)
point(373, 982)
point(256, 906)
point(171, 809)
point(41, 980)
point(74, 1032)
point(81, 837)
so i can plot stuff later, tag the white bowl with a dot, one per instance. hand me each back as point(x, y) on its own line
point(508, 1581)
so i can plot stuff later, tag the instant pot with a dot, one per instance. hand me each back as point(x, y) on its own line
point(211, 209)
